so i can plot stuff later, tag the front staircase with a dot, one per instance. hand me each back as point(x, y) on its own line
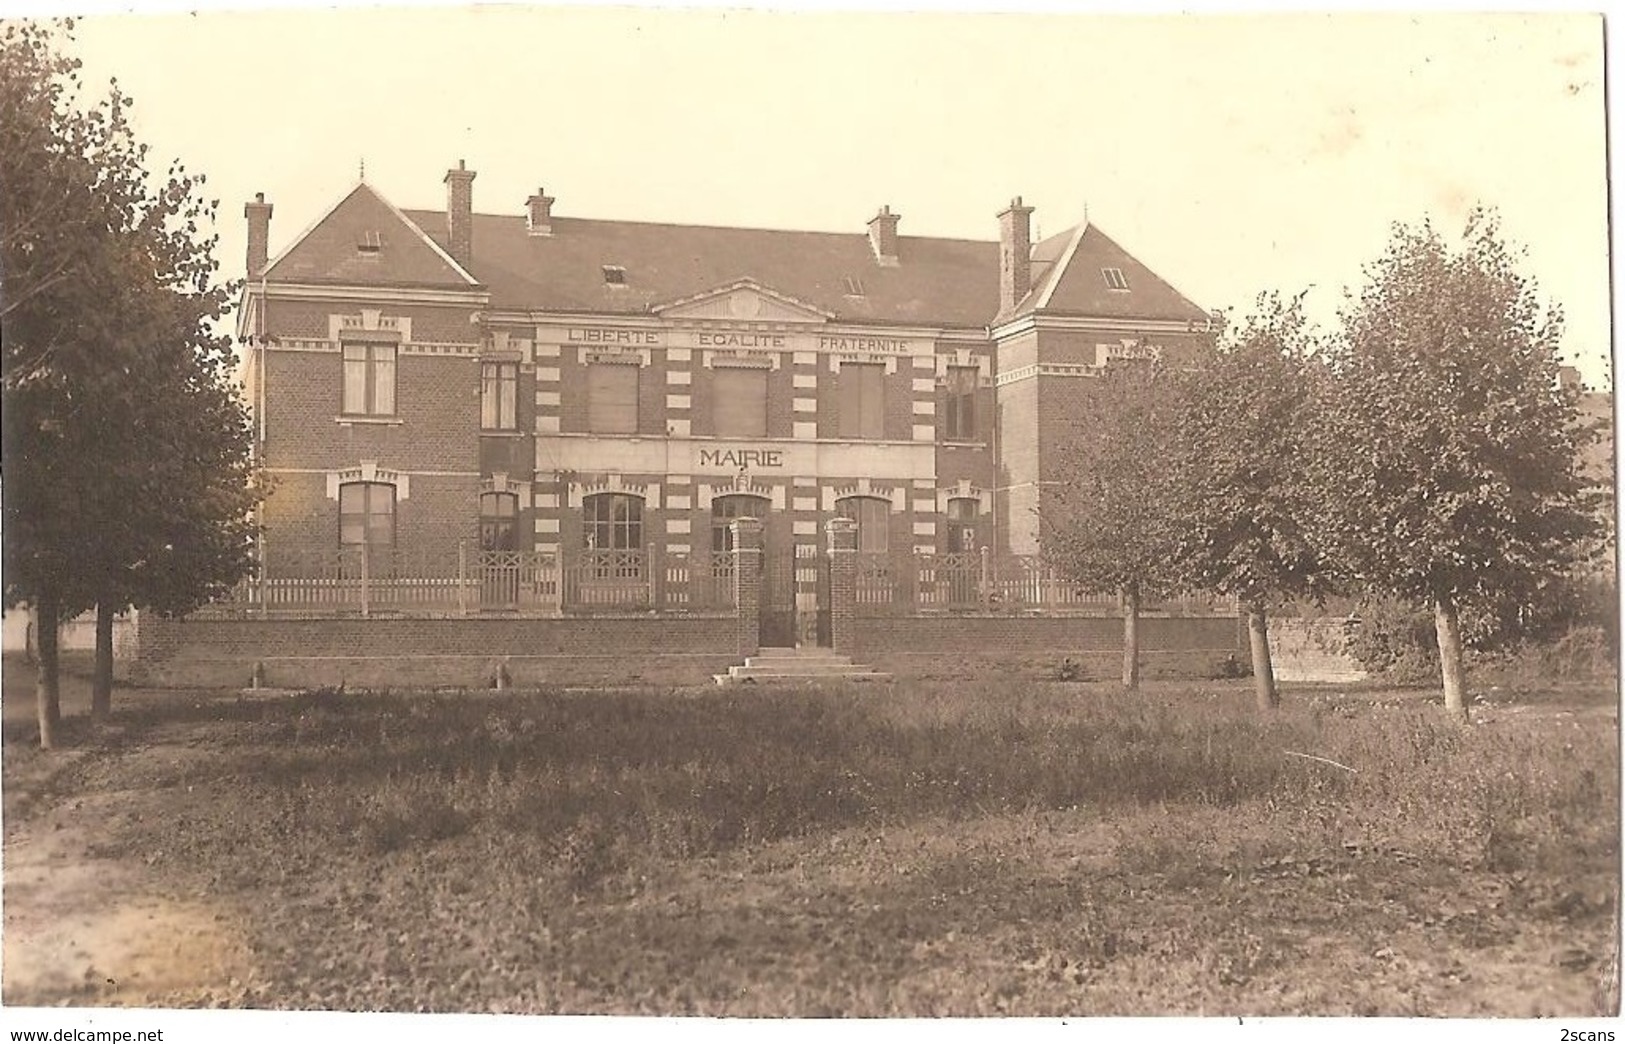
point(809, 664)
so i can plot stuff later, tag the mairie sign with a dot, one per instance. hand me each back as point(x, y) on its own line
point(740, 458)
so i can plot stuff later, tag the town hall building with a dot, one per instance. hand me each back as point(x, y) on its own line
point(512, 379)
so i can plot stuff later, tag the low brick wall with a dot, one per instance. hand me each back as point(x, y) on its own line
point(1312, 649)
point(433, 652)
point(399, 653)
point(1034, 647)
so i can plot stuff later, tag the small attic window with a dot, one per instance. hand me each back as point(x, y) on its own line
point(369, 244)
point(614, 275)
point(854, 286)
point(1115, 280)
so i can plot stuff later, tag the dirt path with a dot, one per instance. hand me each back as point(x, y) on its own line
point(84, 926)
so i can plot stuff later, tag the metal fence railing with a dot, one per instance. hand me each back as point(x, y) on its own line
point(464, 581)
point(359, 581)
point(982, 582)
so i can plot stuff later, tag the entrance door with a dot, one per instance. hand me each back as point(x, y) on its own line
point(777, 592)
point(778, 610)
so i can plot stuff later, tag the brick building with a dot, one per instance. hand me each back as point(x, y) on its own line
point(520, 381)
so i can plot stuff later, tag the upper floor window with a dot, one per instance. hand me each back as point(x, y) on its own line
point(612, 398)
point(862, 401)
point(499, 396)
point(612, 522)
point(739, 401)
point(725, 509)
point(369, 379)
point(498, 515)
point(959, 413)
point(873, 516)
point(367, 515)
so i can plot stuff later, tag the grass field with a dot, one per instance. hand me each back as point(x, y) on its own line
point(975, 849)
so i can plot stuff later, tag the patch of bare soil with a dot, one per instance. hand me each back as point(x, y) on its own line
point(89, 925)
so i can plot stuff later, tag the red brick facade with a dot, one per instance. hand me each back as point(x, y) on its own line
point(934, 380)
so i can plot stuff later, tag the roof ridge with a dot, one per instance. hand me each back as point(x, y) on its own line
point(718, 228)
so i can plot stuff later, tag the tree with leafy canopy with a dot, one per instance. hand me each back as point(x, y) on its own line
point(1247, 506)
point(1111, 517)
point(176, 522)
point(119, 419)
point(1450, 463)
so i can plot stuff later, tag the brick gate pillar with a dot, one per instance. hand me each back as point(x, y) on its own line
point(843, 573)
point(747, 541)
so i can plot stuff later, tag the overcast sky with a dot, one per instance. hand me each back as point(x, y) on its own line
point(1231, 154)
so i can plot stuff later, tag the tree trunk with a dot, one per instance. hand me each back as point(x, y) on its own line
point(1258, 635)
point(1131, 638)
point(101, 689)
point(48, 692)
point(1448, 627)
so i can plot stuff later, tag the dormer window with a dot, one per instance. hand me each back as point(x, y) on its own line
point(1115, 280)
point(854, 286)
point(614, 275)
point(369, 244)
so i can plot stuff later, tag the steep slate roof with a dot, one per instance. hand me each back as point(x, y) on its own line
point(328, 252)
point(938, 282)
point(1077, 285)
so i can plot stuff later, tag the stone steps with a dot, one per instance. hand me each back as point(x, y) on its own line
point(798, 665)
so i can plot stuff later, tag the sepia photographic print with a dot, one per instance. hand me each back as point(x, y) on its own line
point(804, 521)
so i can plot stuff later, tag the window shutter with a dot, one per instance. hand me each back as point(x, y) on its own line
point(862, 400)
point(874, 402)
point(612, 398)
point(739, 402)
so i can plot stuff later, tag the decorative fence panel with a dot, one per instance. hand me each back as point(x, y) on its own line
point(517, 580)
point(703, 580)
point(617, 579)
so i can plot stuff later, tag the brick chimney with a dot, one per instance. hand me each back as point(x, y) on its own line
point(539, 222)
point(460, 213)
point(258, 214)
point(883, 236)
point(1015, 254)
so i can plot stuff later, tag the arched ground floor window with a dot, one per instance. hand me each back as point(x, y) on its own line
point(367, 515)
point(612, 522)
point(873, 516)
point(498, 522)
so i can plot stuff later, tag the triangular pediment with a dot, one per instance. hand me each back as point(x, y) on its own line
point(365, 240)
point(743, 301)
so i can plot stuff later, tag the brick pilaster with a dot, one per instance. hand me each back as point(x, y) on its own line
point(747, 541)
point(843, 568)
